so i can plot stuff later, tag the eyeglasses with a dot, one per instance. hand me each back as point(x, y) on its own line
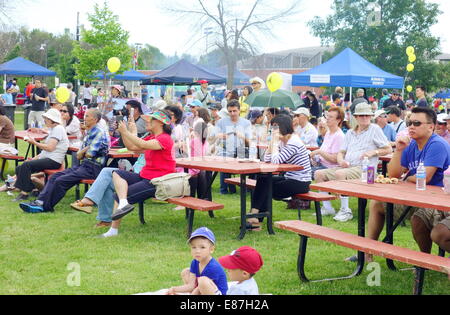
point(255, 83)
point(416, 123)
point(64, 111)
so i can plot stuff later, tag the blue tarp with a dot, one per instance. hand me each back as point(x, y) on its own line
point(443, 94)
point(348, 69)
point(130, 75)
point(22, 67)
point(183, 73)
point(239, 77)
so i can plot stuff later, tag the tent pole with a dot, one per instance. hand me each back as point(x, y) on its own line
point(351, 95)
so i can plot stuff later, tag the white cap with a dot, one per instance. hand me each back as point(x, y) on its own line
point(378, 113)
point(303, 111)
point(441, 118)
point(54, 115)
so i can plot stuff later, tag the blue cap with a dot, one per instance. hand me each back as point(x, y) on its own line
point(203, 232)
point(196, 103)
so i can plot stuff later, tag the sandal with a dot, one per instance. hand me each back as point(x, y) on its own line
point(80, 206)
point(253, 227)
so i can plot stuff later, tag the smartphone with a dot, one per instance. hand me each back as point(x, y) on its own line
point(132, 113)
point(119, 119)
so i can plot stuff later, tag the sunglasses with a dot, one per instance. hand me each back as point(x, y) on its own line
point(64, 111)
point(415, 123)
point(442, 124)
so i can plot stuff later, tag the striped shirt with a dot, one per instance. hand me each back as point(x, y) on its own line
point(294, 152)
point(355, 145)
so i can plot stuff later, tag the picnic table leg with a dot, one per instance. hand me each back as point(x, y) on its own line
point(302, 258)
point(269, 206)
point(418, 281)
point(390, 233)
point(384, 168)
point(243, 207)
point(141, 212)
point(191, 213)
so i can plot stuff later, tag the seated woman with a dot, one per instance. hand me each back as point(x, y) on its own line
point(133, 188)
point(72, 125)
point(54, 150)
point(291, 151)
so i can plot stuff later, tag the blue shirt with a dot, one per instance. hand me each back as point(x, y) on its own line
point(8, 98)
point(390, 133)
point(98, 142)
point(213, 271)
point(229, 146)
point(436, 153)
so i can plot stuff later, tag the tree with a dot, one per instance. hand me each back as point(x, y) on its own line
point(381, 30)
point(235, 26)
point(106, 39)
point(151, 57)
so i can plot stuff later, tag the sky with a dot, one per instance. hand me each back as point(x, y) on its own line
point(148, 23)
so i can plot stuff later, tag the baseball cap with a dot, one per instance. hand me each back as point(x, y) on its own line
point(447, 118)
point(303, 111)
point(378, 113)
point(203, 232)
point(254, 114)
point(441, 118)
point(196, 103)
point(395, 92)
point(203, 82)
point(244, 258)
point(214, 106)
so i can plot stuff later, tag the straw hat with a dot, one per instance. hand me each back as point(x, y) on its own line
point(363, 109)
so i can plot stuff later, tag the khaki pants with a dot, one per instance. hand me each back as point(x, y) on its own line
point(329, 174)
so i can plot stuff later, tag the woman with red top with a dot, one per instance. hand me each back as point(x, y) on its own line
point(132, 188)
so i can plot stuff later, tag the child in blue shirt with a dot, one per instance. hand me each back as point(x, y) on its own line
point(205, 276)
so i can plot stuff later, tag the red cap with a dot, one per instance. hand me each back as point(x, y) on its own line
point(244, 258)
point(203, 82)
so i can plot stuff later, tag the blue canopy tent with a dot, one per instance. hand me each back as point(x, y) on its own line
point(443, 94)
point(239, 77)
point(348, 69)
point(130, 75)
point(183, 73)
point(22, 67)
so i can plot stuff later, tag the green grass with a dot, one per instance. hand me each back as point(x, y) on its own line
point(35, 251)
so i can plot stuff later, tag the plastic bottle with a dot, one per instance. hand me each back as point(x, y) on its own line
point(421, 177)
point(253, 150)
point(364, 166)
point(447, 181)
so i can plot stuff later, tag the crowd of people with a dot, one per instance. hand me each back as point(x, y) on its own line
point(329, 141)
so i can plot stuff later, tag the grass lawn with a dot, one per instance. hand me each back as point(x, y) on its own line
point(36, 251)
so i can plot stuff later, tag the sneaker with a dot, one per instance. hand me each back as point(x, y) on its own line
point(344, 215)
point(21, 197)
point(120, 213)
point(324, 211)
point(32, 207)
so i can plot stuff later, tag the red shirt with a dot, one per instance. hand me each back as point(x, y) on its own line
point(161, 162)
point(30, 88)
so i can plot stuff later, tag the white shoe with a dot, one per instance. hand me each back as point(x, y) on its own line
point(344, 215)
point(324, 211)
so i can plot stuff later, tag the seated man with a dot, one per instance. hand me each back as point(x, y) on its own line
point(92, 156)
point(366, 140)
point(427, 224)
point(388, 130)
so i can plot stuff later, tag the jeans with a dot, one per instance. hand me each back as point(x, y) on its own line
point(102, 194)
point(225, 188)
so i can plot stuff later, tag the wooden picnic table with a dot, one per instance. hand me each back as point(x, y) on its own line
point(403, 193)
point(243, 168)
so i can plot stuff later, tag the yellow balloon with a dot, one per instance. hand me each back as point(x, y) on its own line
point(410, 50)
point(274, 81)
point(62, 95)
point(409, 88)
point(410, 67)
point(412, 58)
point(114, 64)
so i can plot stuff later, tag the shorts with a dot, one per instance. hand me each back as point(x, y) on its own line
point(350, 173)
point(432, 217)
point(35, 119)
point(399, 209)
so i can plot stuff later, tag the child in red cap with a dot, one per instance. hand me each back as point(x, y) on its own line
point(242, 265)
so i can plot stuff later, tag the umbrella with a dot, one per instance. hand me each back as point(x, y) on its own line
point(279, 98)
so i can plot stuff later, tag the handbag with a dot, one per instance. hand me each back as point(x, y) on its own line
point(175, 185)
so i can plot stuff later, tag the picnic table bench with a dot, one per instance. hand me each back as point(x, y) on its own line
point(310, 196)
point(421, 261)
point(9, 157)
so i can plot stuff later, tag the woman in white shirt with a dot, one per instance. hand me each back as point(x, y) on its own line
point(52, 156)
point(72, 125)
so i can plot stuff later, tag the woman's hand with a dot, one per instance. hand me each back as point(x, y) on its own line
point(132, 127)
point(122, 128)
point(344, 164)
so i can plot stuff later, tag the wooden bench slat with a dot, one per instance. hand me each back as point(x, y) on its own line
point(196, 204)
point(405, 255)
point(88, 181)
point(11, 157)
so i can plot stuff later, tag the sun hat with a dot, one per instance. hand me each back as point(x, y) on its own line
point(441, 118)
point(378, 113)
point(203, 232)
point(117, 87)
point(363, 109)
point(258, 80)
point(302, 111)
point(54, 115)
point(158, 115)
point(160, 105)
point(244, 258)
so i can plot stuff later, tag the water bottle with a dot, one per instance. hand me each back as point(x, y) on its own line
point(253, 151)
point(364, 167)
point(421, 177)
point(447, 181)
